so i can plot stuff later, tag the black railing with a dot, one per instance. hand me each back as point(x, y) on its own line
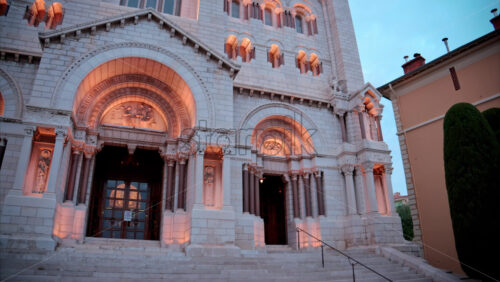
point(351, 260)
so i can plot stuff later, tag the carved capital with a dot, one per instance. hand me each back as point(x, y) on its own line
point(29, 131)
point(347, 170)
point(368, 166)
point(388, 169)
point(61, 132)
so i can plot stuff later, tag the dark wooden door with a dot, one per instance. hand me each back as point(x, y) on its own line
point(126, 195)
point(272, 204)
point(126, 210)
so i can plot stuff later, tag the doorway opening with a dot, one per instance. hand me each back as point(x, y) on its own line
point(273, 209)
point(125, 202)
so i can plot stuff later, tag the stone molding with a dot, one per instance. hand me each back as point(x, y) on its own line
point(132, 18)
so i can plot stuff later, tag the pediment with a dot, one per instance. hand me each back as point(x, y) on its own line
point(167, 25)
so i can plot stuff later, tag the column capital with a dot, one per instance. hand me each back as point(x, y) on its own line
point(61, 132)
point(90, 151)
point(388, 168)
point(29, 130)
point(348, 169)
point(340, 112)
point(368, 166)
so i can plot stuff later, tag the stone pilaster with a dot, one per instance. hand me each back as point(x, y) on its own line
point(24, 157)
point(347, 170)
point(370, 188)
point(56, 160)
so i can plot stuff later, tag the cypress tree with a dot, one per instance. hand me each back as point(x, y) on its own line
point(471, 159)
point(493, 117)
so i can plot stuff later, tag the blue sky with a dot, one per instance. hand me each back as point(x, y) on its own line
point(387, 30)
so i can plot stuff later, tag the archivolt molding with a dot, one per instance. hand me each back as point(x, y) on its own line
point(76, 72)
point(255, 116)
point(11, 92)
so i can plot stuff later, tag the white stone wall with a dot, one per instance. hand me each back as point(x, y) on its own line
point(46, 88)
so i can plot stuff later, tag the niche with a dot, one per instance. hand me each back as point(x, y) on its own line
point(212, 178)
point(37, 175)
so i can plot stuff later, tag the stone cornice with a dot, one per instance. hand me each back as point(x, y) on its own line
point(133, 18)
point(291, 98)
point(19, 56)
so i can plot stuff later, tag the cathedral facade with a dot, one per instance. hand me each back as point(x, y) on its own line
point(208, 126)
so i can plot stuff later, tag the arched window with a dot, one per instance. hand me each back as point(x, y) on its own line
point(301, 61)
point(133, 3)
point(298, 24)
point(315, 65)
point(268, 17)
point(151, 4)
point(247, 51)
point(231, 47)
point(168, 7)
point(275, 57)
point(235, 9)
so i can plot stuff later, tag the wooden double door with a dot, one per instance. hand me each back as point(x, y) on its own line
point(126, 196)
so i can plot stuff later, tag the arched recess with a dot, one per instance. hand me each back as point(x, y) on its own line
point(183, 80)
point(279, 135)
point(11, 95)
point(296, 120)
point(135, 92)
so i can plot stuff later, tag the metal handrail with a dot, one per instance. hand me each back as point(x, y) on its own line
point(351, 259)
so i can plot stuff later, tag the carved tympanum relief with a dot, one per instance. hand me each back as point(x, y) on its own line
point(136, 115)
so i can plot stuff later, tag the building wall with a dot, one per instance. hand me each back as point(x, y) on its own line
point(48, 95)
point(421, 104)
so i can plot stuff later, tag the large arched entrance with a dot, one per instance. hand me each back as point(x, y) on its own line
point(133, 117)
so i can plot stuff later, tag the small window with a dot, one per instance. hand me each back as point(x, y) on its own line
point(133, 3)
point(168, 7)
point(151, 4)
point(298, 24)
point(269, 17)
point(235, 9)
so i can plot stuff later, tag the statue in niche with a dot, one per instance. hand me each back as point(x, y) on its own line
point(42, 172)
point(208, 181)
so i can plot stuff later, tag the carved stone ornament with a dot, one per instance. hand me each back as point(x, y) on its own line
point(42, 170)
point(135, 114)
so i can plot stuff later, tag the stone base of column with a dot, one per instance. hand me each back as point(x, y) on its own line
point(249, 232)
point(383, 229)
point(27, 222)
point(27, 242)
point(175, 230)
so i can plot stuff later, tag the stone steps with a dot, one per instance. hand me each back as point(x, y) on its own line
point(95, 262)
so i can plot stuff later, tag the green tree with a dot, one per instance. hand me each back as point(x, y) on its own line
point(406, 221)
point(493, 117)
point(471, 159)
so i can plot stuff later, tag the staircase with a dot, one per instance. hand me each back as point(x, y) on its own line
point(125, 260)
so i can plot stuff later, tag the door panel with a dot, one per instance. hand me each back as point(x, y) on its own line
point(126, 210)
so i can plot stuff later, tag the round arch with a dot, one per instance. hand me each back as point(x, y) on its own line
point(64, 96)
point(255, 116)
point(12, 96)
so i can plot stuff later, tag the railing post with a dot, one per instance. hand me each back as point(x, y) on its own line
point(353, 274)
point(298, 239)
point(322, 256)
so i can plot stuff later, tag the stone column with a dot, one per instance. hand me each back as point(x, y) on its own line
point(198, 183)
point(342, 126)
point(24, 157)
point(56, 160)
point(252, 191)
point(349, 187)
point(70, 188)
point(257, 193)
point(379, 129)
point(246, 189)
point(307, 194)
point(170, 193)
point(295, 194)
point(181, 199)
point(360, 192)
point(84, 177)
point(226, 177)
point(370, 188)
point(3, 146)
point(362, 124)
point(388, 185)
point(319, 192)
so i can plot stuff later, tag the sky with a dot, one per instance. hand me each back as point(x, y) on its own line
point(388, 30)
